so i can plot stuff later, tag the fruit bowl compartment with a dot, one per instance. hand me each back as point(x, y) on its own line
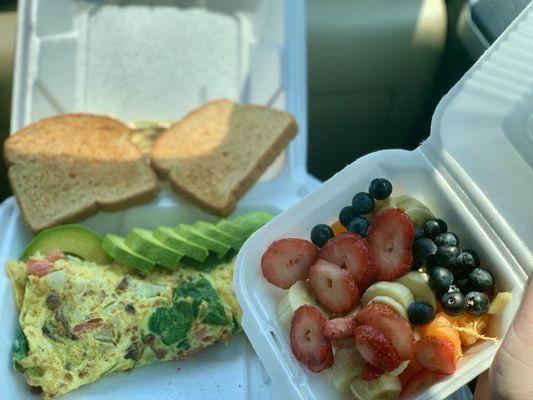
point(410, 173)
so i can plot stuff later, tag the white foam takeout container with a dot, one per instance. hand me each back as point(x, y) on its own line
point(140, 60)
point(474, 171)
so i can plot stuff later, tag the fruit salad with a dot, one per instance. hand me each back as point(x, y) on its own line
point(383, 300)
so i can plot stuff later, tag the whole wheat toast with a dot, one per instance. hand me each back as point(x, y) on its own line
point(67, 167)
point(216, 152)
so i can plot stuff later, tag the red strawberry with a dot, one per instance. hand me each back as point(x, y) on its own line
point(308, 343)
point(412, 369)
point(390, 239)
point(339, 328)
point(419, 382)
point(333, 287)
point(350, 252)
point(436, 354)
point(375, 348)
point(287, 261)
point(370, 372)
point(395, 328)
point(373, 308)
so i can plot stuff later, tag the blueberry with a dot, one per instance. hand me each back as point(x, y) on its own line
point(359, 225)
point(440, 279)
point(474, 256)
point(432, 228)
point(462, 283)
point(447, 239)
point(460, 279)
point(380, 188)
point(466, 261)
point(480, 280)
point(446, 256)
point(453, 302)
point(424, 248)
point(442, 225)
point(419, 232)
point(420, 313)
point(363, 203)
point(346, 215)
point(320, 234)
point(477, 303)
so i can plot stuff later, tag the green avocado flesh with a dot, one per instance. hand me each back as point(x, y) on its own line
point(252, 221)
point(171, 238)
point(116, 247)
point(200, 239)
point(72, 239)
point(142, 241)
point(213, 232)
point(231, 228)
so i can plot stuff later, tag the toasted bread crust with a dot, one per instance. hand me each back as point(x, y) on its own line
point(67, 167)
point(196, 153)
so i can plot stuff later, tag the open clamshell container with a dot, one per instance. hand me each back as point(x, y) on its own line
point(475, 171)
point(157, 60)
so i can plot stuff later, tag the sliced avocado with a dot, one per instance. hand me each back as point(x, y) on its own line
point(142, 241)
point(116, 247)
point(252, 221)
point(171, 238)
point(231, 228)
point(213, 232)
point(195, 236)
point(72, 239)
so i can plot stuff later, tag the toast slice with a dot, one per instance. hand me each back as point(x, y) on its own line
point(216, 153)
point(67, 167)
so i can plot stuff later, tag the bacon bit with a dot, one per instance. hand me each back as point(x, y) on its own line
point(38, 267)
point(149, 339)
point(87, 326)
point(207, 339)
point(54, 255)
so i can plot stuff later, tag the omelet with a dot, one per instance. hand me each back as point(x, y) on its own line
point(81, 321)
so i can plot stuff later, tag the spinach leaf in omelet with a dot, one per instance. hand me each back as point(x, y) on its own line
point(200, 290)
point(172, 323)
point(19, 350)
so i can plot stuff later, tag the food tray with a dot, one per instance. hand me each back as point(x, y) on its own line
point(473, 171)
point(156, 60)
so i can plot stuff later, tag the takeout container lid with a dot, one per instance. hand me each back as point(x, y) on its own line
point(475, 170)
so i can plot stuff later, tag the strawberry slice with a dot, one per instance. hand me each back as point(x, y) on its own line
point(370, 372)
point(350, 252)
point(436, 354)
point(339, 328)
point(287, 261)
point(390, 239)
point(375, 348)
point(395, 328)
point(412, 369)
point(419, 382)
point(308, 343)
point(333, 287)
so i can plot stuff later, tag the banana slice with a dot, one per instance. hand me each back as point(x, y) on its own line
point(400, 310)
point(403, 365)
point(347, 366)
point(298, 295)
point(396, 290)
point(499, 302)
point(416, 210)
point(386, 387)
point(417, 283)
